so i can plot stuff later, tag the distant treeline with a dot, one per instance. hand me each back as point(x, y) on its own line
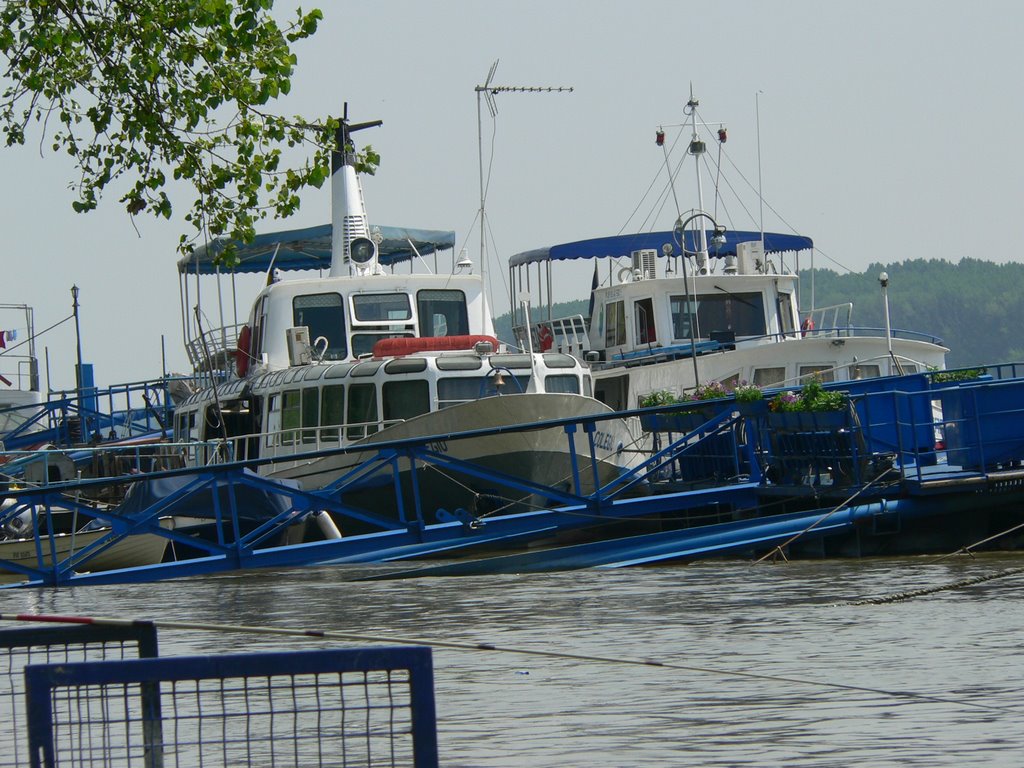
point(973, 306)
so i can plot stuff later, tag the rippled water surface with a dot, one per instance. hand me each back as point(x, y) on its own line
point(781, 628)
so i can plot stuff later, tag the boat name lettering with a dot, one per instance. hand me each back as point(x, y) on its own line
point(603, 440)
point(438, 446)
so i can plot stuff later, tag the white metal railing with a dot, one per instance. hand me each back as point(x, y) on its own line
point(563, 334)
point(214, 349)
point(827, 321)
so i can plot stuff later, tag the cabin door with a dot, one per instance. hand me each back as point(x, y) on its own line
point(613, 392)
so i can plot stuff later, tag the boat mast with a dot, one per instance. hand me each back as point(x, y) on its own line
point(697, 149)
point(348, 210)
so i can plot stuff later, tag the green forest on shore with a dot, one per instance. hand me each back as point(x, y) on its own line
point(972, 306)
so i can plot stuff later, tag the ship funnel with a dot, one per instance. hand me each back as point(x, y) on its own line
point(351, 245)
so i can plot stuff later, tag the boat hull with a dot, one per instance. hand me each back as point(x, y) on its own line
point(128, 552)
point(540, 456)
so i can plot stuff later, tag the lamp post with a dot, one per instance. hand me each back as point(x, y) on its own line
point(717, 240)
point(78, 350)
point(883, 280)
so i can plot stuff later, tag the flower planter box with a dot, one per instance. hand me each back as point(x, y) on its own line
point(814, 447)
point(753, 409)
point(809, 421)
point(681, 423)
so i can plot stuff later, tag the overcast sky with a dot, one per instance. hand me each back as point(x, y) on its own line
point(889, 131)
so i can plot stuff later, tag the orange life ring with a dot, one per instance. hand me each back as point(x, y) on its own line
point(243, 353)
point(545, 338)
point(806, 325)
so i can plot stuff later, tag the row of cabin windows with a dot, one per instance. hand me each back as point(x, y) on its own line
point(741, 313)
point(776, 376)
point(379, 316)
point(307, 412)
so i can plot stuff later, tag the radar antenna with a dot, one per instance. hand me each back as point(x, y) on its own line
point(488, 92)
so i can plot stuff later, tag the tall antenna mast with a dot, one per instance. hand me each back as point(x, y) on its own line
point(488, 92)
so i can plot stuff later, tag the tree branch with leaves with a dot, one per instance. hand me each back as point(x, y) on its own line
point(137, 91)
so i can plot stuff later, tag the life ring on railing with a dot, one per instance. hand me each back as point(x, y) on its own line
point(626, 275)
point(545, 338)
point(806, 326)
point(242, 355)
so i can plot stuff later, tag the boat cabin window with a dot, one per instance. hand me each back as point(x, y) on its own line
point(615, 329)
point(442, 313)
point(291, 416)
point(741, 313)
point(459, 363)
point(310, 414)
point(381, 307)
point(822, 373)
point(562, 384)
point(185, 431)
point(259, 321)
point(406, 365)
point(452, 391)
point(643, 311)
point(324, 315)
point(405, 399)
point(769, 377)
point(558, 360)
point(362, 411)
point(681, 313)
point(362, 343)
point(864, 371)
point(786, 313)
point(332, 412)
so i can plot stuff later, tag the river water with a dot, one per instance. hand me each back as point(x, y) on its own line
point(962, 647)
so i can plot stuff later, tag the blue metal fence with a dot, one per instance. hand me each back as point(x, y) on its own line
point(361, 707)
point(53, 645)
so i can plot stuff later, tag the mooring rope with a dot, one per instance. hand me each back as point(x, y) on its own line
point(328, 634)
point(897, 597)
point(779, 550)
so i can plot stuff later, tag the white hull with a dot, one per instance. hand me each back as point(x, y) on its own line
point(128, 552)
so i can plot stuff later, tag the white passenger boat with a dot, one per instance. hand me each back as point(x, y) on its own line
point(370, 353)
point(671, 310)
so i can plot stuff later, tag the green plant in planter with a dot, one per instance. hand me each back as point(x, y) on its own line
point(656, 398)
point(747, 393)
point(812, 397)
point(944, 377)
point(712, 390)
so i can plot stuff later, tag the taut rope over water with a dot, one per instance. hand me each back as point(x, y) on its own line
point(352, 636)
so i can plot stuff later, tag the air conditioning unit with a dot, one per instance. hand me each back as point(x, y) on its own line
point(299, 352)
point(750, 256)
point(643, 263)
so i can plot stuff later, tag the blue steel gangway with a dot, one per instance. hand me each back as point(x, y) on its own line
point(226, 492)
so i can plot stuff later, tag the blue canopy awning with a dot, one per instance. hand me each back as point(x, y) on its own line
point(621, 246)
point(310, 248)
